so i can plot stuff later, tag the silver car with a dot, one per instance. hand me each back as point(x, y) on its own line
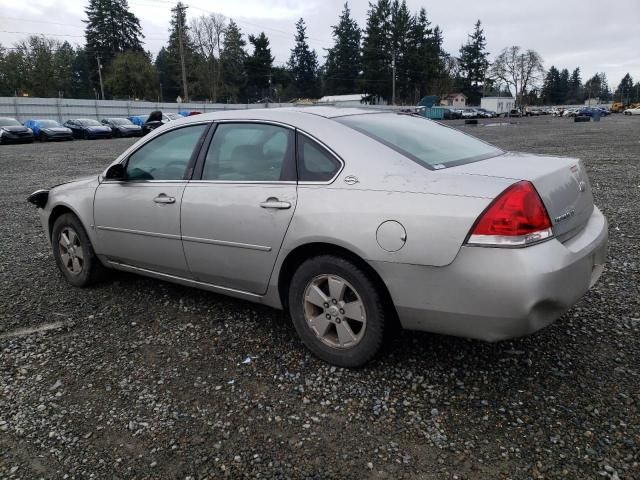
point(350, 219)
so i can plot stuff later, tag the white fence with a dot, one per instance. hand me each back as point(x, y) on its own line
point(62, 109)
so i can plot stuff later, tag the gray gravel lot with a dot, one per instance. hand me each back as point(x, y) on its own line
point(143, 379)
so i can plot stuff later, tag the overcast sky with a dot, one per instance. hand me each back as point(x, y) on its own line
point(593, 34)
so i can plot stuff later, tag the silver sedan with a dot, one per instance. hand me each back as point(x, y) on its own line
point(350, 219)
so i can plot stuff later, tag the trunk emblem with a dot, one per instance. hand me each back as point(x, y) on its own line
point(565, 215)
point(582, 187)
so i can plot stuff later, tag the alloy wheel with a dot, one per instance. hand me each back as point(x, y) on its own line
point(334, 311)
point(71, 252)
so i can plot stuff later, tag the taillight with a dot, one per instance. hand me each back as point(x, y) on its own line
point(517, 217)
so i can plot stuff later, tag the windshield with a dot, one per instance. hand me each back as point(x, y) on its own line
point(9, 122)
point(428, 143)
point(48, 123)
point(88, 123)
point(120, 121)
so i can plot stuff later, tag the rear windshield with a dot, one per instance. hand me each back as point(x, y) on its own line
point(88, 123)
point(120, 121)
point(8, 122)
point(48, 123)
point(428, 143)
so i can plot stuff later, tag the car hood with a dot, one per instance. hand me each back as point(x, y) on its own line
point(129, 127)
point(15, 128)
point(98, 128)
point(57, 129)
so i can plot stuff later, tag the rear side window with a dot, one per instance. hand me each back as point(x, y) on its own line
point(165, 157)
point(315, 163)
point(250, 152)
point(431, 145)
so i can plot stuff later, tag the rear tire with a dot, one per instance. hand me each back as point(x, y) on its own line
point(74, 253)
point(337, 311)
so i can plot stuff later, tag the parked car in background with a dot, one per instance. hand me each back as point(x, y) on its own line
point(469, 113)
point(571, 112)
point(451, 114)
point(12, 132)
point(533, 112)
point(295, 208)
point(88, 129)
point(154, 120)
point(483, 113)
point(632, 111)
point(122, 127)
point(46, 130)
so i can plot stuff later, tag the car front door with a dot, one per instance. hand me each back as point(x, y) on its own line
point(237, 209)
point(137, 221)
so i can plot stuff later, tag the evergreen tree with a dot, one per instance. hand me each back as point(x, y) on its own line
point(563, 86)
point(82, 70)
point(131, 75)
point(377, 50)
point(423, 56)
point(233, 58)
point(111, 28)
point(172, 84)
point(168, 88)
point(575, 94)
point(303, 65)
point(258, 66)
point(550, 86)
point(473, 64)
point(597, 87)
point(282, 88)
point(63, 60)
point(343, 62)
point(402, 28)
point(624, 92)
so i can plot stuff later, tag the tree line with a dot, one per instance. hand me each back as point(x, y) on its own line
point(222, 64)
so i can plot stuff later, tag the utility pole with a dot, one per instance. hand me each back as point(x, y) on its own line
point(393, 79)
point(179, 9)
point(100, 75)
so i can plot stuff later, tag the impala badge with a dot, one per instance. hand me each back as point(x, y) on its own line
point(565, 215)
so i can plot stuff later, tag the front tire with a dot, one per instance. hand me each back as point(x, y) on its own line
point(337, 311)
point(74, 253)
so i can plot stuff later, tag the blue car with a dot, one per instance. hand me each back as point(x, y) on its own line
point(45, 130)
point(88, 128)
point(139, 120)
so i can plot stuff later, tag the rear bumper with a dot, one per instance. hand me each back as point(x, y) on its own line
point(497, 293)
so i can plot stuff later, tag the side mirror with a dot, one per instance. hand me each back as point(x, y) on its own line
point(116, 172)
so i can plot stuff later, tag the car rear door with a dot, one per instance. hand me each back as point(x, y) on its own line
point(236, 210)
point(137, 221)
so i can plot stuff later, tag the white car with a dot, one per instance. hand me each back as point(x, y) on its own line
point(632, 111)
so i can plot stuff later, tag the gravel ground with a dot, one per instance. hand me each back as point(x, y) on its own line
point(137, 378)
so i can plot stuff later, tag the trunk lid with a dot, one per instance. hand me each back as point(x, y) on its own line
point(561, 182)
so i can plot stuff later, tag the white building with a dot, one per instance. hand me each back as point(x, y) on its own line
point(352, 100)
point(498, 104)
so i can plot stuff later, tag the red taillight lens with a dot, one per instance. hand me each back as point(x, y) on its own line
point(516, 217)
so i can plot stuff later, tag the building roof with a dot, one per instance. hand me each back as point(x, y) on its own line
point(449, 95)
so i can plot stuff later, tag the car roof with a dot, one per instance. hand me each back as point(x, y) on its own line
point(300, 117)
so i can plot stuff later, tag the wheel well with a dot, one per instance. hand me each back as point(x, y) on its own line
point(304, 252)
point(55, 213)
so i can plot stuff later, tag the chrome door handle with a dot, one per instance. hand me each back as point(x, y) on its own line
point(273, 202)
point(162, 198)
